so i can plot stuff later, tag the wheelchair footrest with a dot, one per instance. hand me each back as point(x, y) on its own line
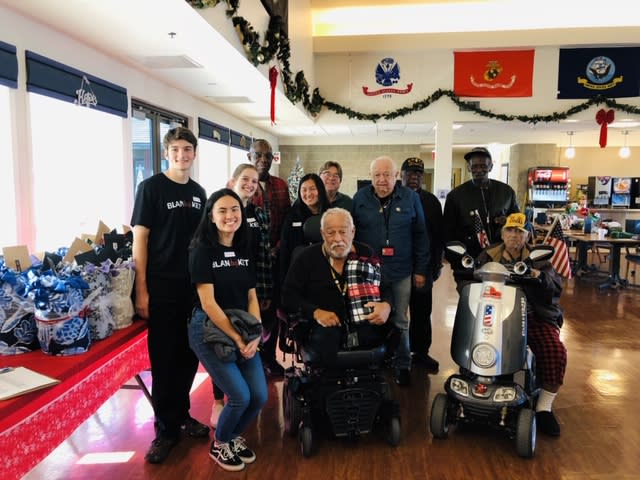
point(352, 411)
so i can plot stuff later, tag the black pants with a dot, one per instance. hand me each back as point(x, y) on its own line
point(173, 363)
point(420, 306)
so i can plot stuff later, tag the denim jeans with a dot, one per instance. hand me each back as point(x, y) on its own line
point(399, 291)
point(242, 381)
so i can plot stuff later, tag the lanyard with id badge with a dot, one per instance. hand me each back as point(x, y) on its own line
point(340, 281)
point(387, 250)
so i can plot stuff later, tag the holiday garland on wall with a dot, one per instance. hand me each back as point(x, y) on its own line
point(296, 88)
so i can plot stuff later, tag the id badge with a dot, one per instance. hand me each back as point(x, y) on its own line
point(388, 251)
point(352, 340)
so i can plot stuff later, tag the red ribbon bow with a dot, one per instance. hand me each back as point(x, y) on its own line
point(604, 118)
point(273, 79)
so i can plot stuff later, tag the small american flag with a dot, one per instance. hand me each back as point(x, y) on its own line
point(483, 238)
point(560, 259)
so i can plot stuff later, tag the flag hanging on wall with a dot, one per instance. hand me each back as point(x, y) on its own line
point(587, 72)
point(505, 73)
point(560, 259)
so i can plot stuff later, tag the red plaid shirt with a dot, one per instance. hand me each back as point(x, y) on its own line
point(274, 201)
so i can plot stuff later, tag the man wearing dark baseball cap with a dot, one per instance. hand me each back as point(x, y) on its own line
point(420, 304)
point(475, 211)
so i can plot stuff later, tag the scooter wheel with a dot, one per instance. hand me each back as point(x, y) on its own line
point(526, 433)
point(439, 411)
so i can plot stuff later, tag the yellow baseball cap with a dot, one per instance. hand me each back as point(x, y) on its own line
point(516, 220)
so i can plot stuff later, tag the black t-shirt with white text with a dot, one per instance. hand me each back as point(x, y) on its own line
point(171, 211)
point(230, 271)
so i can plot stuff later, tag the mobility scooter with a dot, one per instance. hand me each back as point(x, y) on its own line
point(496, 384)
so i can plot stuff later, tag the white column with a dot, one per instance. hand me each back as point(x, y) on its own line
point(443, 158)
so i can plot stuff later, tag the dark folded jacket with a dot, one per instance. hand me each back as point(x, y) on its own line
point(248, 326)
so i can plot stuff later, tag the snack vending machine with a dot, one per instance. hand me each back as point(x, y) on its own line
point(621, 196)
point(548, 187)
point(599, 191)
point(635, 193)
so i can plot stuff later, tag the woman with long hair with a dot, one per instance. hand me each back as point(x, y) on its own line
point(222, 267)
point(312, 202)
point(244, 182)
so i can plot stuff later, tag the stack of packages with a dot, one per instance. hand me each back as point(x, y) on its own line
point(65, 302)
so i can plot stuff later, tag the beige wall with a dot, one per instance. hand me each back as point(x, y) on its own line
point(354, 159)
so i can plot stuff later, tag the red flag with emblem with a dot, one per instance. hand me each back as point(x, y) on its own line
point(500, 73)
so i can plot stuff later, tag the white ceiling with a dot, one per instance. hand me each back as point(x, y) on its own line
point(137, 33)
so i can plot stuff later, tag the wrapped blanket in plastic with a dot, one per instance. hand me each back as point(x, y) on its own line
point(363, 276)
point(18, 332)
point(60, 311)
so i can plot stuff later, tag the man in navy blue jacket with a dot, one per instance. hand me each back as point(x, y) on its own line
point(389, 218)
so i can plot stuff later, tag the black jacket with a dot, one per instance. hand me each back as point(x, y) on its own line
point(500, 201)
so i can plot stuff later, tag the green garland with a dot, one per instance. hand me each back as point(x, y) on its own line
point(296, 88)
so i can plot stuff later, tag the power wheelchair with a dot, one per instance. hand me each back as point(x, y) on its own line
point(350, 395)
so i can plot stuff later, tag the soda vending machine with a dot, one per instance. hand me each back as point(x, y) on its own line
point(599, 191)
point(548, 187)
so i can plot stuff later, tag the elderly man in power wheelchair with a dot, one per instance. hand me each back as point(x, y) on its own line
point(339, 332)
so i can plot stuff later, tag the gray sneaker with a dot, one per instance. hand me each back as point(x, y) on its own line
point(224, 456)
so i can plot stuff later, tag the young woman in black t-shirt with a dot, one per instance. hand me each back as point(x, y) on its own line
point(222, 269)
point(244, 182)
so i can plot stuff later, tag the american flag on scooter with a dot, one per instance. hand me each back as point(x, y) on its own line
point(560, 259)
point(483, 238)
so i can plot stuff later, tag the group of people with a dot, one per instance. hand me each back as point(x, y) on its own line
point(230, 265)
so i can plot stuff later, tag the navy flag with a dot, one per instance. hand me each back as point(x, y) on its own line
point(587, 72)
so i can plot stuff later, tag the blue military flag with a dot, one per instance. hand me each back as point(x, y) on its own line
point(587, 72)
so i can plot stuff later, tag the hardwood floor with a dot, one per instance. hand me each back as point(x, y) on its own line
point(597, 409)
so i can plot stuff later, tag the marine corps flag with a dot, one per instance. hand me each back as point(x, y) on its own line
point(587, 72)
point(505, 73)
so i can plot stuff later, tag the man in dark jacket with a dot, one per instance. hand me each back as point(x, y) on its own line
point(316, 287)
point(544, 316)
point(390, 219)
point(421, 302)
point(475, 211)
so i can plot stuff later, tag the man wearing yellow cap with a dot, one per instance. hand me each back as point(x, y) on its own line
point(544, 316)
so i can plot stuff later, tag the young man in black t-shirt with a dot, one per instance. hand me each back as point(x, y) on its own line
point(167, 209)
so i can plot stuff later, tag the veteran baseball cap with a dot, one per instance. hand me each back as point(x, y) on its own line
point(413, 163)
point(516, 220)
point(479, 152)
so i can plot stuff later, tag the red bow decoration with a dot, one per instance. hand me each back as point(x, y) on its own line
point(273, 79)
point(604, 118)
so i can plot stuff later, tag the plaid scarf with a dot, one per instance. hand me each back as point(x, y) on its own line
point(363, 276)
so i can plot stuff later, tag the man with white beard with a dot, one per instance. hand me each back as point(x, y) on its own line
point(316, 288)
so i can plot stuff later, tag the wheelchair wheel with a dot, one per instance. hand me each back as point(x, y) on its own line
point(439, 423)
point(394, 433)
point(292, 410)
point(526, 433)
point(305, 436)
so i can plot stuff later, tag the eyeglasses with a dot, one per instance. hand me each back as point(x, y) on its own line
point(267, 155)
point(328, 174)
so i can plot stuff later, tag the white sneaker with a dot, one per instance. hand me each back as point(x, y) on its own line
point(215, 414)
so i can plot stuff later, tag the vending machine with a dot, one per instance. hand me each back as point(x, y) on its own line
point(599, 191)
point(621, 196)
point(635, 193)
point(548, 187)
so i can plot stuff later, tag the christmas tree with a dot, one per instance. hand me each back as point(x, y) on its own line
point(297, 172)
